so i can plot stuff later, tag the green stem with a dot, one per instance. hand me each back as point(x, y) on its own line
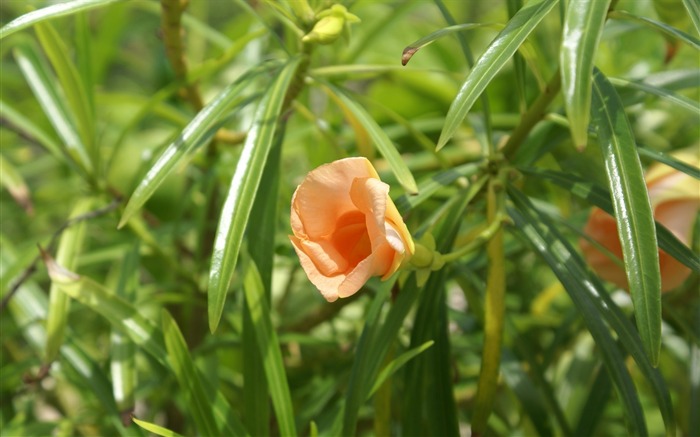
point(534, 115)
point(481, 239)
point(172, 39)
point(494, 310)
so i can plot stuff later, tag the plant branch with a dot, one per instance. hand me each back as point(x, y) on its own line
point(29, 271)
point(534, 115)
point(172, 39)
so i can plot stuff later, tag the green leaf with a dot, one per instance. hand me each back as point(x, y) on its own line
point(198, 132)
point(244, 185)
point(116, 310)
point(677, 99)
point(122, 365)
point(381, 140)
point(23, 124)
point(123, 316)
point(155, 429)
point(633, 214)
point(527, 392)
point(412, 48)
point(42, 84)
point(597, 400)
point(69, 249)
point(255, 388)
point(669, 161)
point(269, 349)
point(28, 308)
point(583, 27)
point(490, 63)
point(561, 259)
point(198, 398)
point(600, 197)
point(13, 181)
point(693, 9)
point(572, 272)
point(50, 12)
point(431, 185)
point(397, 364)
point(71, 83)
point(659, 26)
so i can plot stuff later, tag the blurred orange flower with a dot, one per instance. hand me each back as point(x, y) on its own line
point(675, 201)
point(346, 228)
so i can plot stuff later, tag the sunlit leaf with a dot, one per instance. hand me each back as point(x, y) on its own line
point(42, 84)
point(490, 63)
point(241, 194)
point(269, 349)
point(197, 133)
point(583, 27)
point(50, 12)
point(635, 222)
point(381, 140)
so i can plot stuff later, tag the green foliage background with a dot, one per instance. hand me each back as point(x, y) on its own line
point(152, 149)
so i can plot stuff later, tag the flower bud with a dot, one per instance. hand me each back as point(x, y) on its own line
point(330, 25)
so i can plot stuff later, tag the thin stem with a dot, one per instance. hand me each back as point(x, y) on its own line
point(534, 115)
point(172, 39)
point(27, 273)
point(494, 309)
point(478, 241)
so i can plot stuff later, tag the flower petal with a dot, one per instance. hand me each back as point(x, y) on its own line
point(324, 195)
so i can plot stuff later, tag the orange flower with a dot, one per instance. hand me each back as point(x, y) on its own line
point(675, 201)
point(346, 228)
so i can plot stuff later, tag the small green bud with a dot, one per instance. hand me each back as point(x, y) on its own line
point(330, 25)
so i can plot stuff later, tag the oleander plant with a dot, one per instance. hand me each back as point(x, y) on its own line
point(350, 217)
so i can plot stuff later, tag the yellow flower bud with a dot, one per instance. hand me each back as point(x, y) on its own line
point(330, 25)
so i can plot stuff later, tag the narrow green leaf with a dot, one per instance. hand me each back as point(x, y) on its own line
point(412, 48)
point(583, 27)
point(431, 185)
point(592, 290)
point(693, 9)
point(560, 259)
point(69, 248)
point(13, 181)
point(600, 197)
point(122, 365)
point(381, 140)
point(50, 12)
point(155, 429)
point(28, 308)
point(255, 388)
point(397, 364)
point(116, 310)
point(18, 122)
point(635, 222)
point(490, 63)
point(669, 161)
point(123, 316)
point(202, 127)
point(71, 82)
point(198, 399)
point(677, 99)
point(269, 349)
point(659, 26)
point(597, 400)
point(526, 391)
point(694, 376)
point(42, 84)
point(244, 185)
